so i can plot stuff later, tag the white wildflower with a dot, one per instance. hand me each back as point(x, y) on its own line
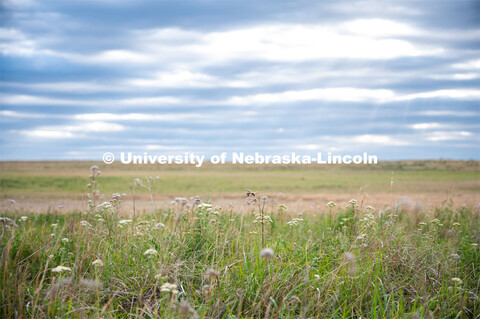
point(168, 287)
point(125, 221)
point(331, 204)
point(352, 201)
point(150, 252)
point(65, 240)
point(97, 263)
point(85, 223)
point(457, 281)
point(361, 237)
point(60, 269)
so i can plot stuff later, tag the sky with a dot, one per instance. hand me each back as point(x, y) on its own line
point(398, 79)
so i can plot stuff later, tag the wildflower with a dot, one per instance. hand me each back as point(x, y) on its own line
point(317, 276)
point(137, 181)
point(435, 221)
point(105, 205)
point(65, 240)
point(150, 252)
point(89, 185)
point(474, 245)
point(422, 224)
point(94, 168)
point(181, 200)
point(7, 222)
point(263, 219)
point(264, 199)
point(266, 253)
point(300, 214)
point(85, 223)
point(196, 200)
point(352, 201)
point(159, 225)
point(125, 221)
point(12, 202)
point(455, 256)
point(60, 269)
point(370, 209)
point(204, 205)
point(211, 274)
point(52, 235)
point(282, 207)
point(23, 218)
point(97, 263)
point(456, 224)
point(295, 221)
point(361, 237)
point(168, 287)
point(115, 196)
point(331, 204)
point(54, 225)
point(457, 281)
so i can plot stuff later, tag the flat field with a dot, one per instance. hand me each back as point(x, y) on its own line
point(40, 185)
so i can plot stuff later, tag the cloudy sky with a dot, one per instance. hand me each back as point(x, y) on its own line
point(397, 79)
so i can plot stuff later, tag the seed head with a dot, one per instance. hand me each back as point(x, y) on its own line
point(211, 274)
point(266, 253)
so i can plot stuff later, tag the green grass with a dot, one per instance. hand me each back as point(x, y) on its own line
point(400, 269)
point(211, 181)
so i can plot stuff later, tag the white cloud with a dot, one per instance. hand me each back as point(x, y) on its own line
point(328, 94)
point(38, 100)
point(357, 39)
point(448, 113)
point(467, 65)
point(15, 114)
point(48, 134)
point(69, 131)
point(169, 117)
point(379, 28)
point(450, 94)
point(448, 136)
point(425, 126)
point(378, 140)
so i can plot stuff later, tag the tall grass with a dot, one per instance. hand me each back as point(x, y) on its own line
point(204, 262)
